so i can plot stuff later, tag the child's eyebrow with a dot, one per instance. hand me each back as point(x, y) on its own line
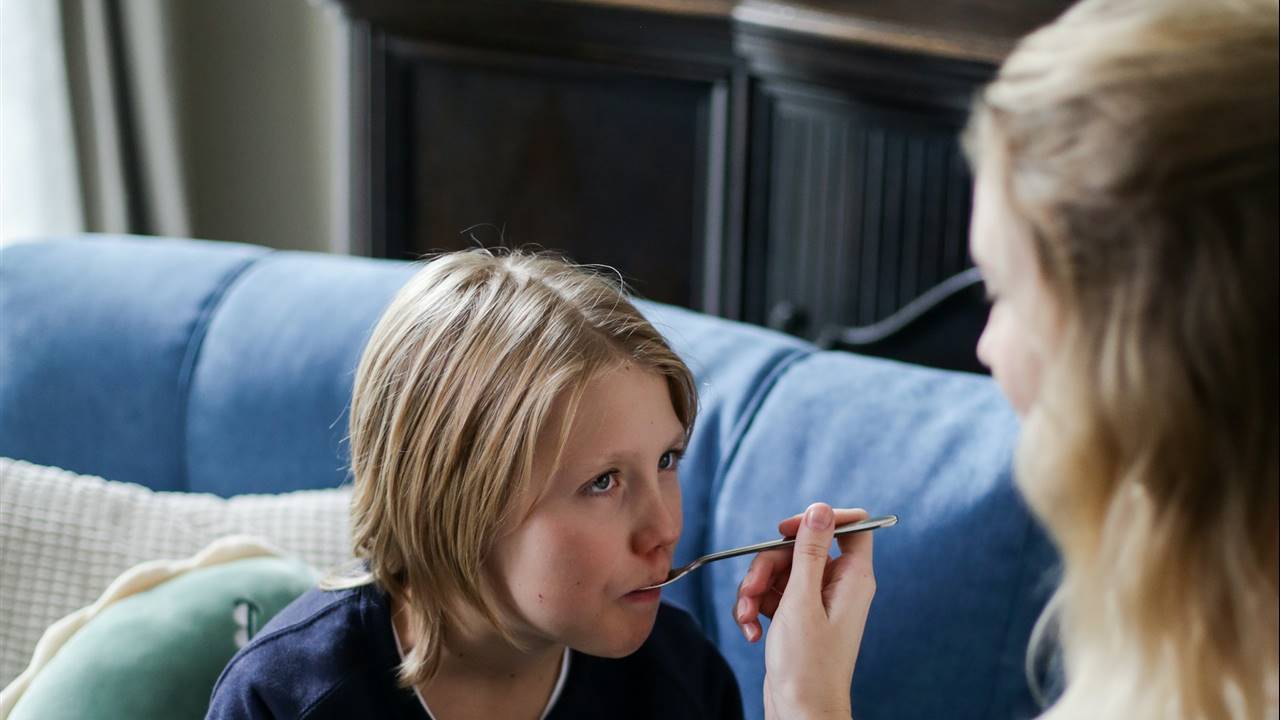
point(612, 457)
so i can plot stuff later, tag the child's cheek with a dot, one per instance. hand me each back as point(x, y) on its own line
point(575, 567)
point(566, 571)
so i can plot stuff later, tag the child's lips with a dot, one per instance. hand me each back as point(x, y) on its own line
point(644, 595)
point(641, 588)
point(657, 577)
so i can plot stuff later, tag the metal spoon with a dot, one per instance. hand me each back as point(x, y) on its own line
point(860, 526)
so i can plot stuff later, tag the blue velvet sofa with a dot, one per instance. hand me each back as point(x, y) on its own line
point(223, 368)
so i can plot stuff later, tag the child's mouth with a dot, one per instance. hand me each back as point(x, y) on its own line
point(643, 596)
point(645, 592)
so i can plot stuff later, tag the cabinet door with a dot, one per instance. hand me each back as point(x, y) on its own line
point(865, 208)
point(604, 163)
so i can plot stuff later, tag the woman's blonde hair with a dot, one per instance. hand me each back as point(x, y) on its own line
point(1137, 144)
point(456, 383)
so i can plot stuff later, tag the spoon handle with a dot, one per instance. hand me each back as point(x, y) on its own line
point(860, 526)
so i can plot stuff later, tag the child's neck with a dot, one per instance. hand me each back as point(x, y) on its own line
point(481, 675)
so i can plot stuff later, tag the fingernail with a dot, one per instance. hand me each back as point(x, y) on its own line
point(746, 631)
point(818, 516)
point(752, 632)
point(741, 610)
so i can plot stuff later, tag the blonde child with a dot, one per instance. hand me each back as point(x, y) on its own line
point(516, 427)
point(1125, 220)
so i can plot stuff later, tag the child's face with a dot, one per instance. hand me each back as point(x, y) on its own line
point(1023, 327)
point(606, 524)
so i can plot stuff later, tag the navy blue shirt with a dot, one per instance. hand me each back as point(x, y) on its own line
point(332, 654)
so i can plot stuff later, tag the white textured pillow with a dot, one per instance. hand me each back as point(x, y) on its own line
point(64, 537)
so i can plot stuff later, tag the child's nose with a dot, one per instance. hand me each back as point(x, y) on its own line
point(660, 522)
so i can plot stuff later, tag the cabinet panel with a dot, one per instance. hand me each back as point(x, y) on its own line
point(867, 209)
point(607, 166)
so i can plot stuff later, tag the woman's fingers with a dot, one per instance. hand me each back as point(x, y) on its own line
point(813, 642)
point(757, 594)
point(765, 569)
point(769, 574)
point(789, 526)
point(809, 555)
point(850, 541)
point(857, 545)
point(769, 603)
point(851, 581)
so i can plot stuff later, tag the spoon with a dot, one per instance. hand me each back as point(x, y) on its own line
point(860, 526)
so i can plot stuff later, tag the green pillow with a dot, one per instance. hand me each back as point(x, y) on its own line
point(157, 654)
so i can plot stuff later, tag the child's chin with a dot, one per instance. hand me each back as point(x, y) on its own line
point(614, 651)
point(620, 643)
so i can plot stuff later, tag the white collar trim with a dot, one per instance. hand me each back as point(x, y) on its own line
point(551, 702)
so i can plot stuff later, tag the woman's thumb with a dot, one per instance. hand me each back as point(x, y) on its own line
point(813, 541)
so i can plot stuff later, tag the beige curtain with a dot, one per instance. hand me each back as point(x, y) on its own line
point(222, 120)
point(123, 102)
point(38, 189)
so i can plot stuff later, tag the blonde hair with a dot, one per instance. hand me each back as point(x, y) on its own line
point(1137, 144)
point(458, 379)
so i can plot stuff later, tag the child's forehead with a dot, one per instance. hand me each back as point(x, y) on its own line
point(619, 403)
point(620, 411)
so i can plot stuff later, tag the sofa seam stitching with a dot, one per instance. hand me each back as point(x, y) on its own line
point(195, 343)
point(743, 427)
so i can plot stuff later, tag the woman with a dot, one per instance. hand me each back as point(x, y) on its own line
point(1125, 221)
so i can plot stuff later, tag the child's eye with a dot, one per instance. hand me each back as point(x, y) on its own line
point(602, 485)
point(670, 459)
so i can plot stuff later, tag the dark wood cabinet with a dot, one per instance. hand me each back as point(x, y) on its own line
point(607, 168)
point(789, 164)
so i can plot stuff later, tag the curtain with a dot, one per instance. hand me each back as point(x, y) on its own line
point(124, 107)
point(38, 193)
point(224, 120)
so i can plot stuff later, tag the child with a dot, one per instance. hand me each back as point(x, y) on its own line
point(516, 426)
point(1125, 220)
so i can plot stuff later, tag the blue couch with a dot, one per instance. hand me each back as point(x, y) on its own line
point(223, 368)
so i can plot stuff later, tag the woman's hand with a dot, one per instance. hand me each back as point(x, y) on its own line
point(819, 609)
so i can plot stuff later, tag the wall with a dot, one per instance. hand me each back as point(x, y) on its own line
point(262, 108)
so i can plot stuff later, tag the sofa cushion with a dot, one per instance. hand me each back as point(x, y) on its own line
point(64, 537)
point(270, 393)
point(98, 337)
point(154, 644)
point(960, 580)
